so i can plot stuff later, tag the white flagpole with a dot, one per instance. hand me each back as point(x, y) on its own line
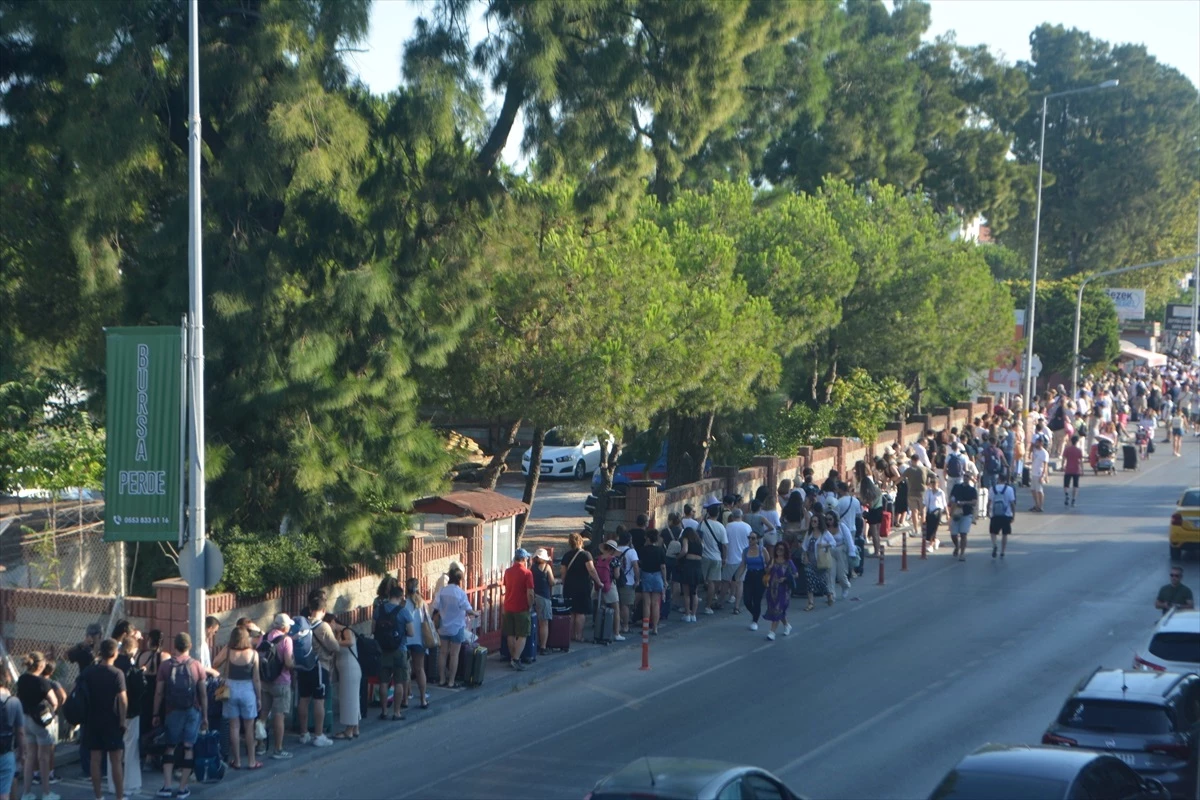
point(194, 549)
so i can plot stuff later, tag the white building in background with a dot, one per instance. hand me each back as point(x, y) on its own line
point(974, 230)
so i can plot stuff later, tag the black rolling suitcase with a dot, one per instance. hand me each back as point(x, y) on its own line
point(1129, 455)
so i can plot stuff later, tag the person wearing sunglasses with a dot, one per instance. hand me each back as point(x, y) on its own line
point(1174, 594)
point(755, 562)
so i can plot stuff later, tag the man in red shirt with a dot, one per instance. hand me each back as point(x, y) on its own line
point(518, 600)
point(1072, 469)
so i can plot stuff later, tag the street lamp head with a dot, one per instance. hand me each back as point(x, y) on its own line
point(1111, 84)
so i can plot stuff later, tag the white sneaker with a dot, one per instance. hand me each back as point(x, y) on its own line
point(787, 629)
point(771, 636)
point(845, 592)
point(708, 611)
point(322, 741)
point(753, 626)
point(51, 796)
point(618, 638)
point(306, 738)
point(30, 796)
point(690, 618)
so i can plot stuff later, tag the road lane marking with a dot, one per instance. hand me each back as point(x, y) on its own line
point(425, 788)
point(837, 740)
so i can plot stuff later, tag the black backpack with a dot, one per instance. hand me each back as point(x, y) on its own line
point(370, 656)
point(76, 706)
point(270, 665)
point(387, 630)
point(617, 566)
point(135, 686)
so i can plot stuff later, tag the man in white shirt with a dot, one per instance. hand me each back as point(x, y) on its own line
point(714, 541)
point(689, 517)
point(921, 453)
point(1039, 472)
point(738, 533)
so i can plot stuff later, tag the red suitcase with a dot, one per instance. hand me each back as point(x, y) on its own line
point(559, 635)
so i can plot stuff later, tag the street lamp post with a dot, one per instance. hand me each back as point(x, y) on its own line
point(1037, 229)
point(1079, 306)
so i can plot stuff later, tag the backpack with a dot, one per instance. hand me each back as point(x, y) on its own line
point(135, 686)
point(76, 706)
point(6, 730)
point(302, 645)
point(617, 567)
point(871, 492)
point(992, 461)
point(387, 629)
point(180, 691)
point(954, 465)
point(370, 656)
point(270, 665)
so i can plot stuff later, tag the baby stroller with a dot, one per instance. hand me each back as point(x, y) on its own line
point(1102, 457)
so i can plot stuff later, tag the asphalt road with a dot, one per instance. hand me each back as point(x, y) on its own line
point(875, 698)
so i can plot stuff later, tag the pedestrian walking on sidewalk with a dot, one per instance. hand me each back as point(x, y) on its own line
point(1072, 469)
point(654, 578)
point(781, 574)
point(817, 557)
point(738, 532)
point(518, 602)
point(181, 697)
point(1176, 427)
point(915, 479)
point(543, 591)
point(1003, 500)
point(843, 551)
point(752, 574)
point(277, 692)
point(451, 611)
point(963, 500)
point(935, 505)
point(107, 709)
point(715, 542)
point(607, 594)
point(240, 673)
point(690, 571)
point(1039, 472)
point(425, 636)
point(349, 681)
point(40, 706)
point(578, 577)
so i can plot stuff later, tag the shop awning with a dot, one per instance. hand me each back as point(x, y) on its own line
point(1131, 351)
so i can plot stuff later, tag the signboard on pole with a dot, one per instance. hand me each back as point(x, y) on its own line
point(143, 481)
point(1179, 318)
point(1005, 377)
point(1130, 303)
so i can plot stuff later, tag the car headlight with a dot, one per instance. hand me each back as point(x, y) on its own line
point(560, 459)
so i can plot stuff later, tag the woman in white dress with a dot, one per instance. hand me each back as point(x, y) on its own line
point(349, 676)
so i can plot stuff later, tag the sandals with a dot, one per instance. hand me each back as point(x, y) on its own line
point(258, 764)
point(809, 607)
point(341, 737)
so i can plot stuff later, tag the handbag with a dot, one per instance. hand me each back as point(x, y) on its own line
point(429, 634)
point(824, 558)
point(222, 691)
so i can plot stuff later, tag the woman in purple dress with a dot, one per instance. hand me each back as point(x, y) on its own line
point(779, 578)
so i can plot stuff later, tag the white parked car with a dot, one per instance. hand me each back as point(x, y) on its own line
point(1173, 645)
point(566, 455)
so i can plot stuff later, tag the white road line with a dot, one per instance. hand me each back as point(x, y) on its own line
point(424, 789)
point(837, 740)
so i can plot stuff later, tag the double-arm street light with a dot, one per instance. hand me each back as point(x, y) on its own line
point(1037, 228)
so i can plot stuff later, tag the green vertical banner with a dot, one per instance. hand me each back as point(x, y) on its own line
point(143, 480)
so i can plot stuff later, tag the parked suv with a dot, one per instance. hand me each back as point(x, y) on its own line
point(1173, 645)
point(1149, 720)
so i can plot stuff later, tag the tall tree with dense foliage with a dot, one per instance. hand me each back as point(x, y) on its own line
point(1122, 165)
point(335, 252)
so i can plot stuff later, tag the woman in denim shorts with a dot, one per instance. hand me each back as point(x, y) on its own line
point(245, 696)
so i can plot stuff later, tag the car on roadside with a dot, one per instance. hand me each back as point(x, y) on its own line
point(1184, 533)
point(567, 454)
point(1173, 645)
point(656, 778)
point(1148, 720)
point(1030, 772)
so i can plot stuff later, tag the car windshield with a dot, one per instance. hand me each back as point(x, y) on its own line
point(997, 786)
point(1190, 498)
point(557, 438)
point(1114, 717)
point(1177, 646)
